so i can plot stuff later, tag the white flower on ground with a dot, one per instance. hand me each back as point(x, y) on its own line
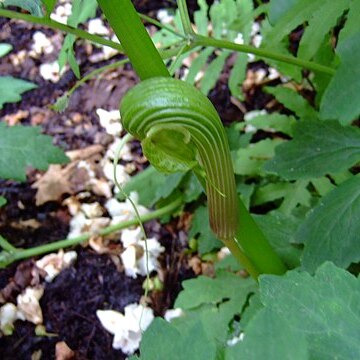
point(62, 12)
point(8, 315)
point(126, 328)
point(50, 71)
point(165, 17)
point(110, 120)
point(42, 44)
point(28, 305)
point(52, 264)
point(122, 211)
point(134, 256)
point(239, 39)
point(96, 26)
point(173, 314)
point(125, 153)
point(121, 175)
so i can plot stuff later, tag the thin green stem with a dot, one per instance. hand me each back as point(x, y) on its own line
point(160, 25)
point(200, 40)
point(17, 254)
point(59, 26)
point(6, 245)
point(134, 38)
point(185, 19)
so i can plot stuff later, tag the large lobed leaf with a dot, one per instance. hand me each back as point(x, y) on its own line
point(22, 146)
point(332, 230)
point(341, 99)
point(318, 148)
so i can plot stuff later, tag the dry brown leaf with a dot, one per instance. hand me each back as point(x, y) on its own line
point(73, 178)
point(63, 352)
point(14, 119)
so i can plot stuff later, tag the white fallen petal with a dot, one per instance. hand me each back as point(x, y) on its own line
point(92, 210)
point(131, 236)
point(50, 71)
point(52, 264)
point(110, 120)
point(165, 17)
point(253, 114)
point(235, 340)
point(173, 314)
point(8, 315)
point(28, 304)
point(125, 153)
point(239, 39)
point(121, 175)
point(41, 44)
point(128, 258)
point(96, 26)
point(126, 328)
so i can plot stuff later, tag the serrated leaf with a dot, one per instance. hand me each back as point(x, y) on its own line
point(298, 194)
point(200, 229)
point(22, 146)
point(270, 337)
point(212, 72)
point(238, 75)
point(61, 103)
point(201, 19)
point(5, 49)
point(318, 148)
point(332, 229)
point(11, 89)
point(274, 122)
point(320, 23)
point(50, 5)
point(341, 99)
point(352, 25)
point(280, 230)
point(293, 101)
point(193, 188)
point(34, 7)
point(250, 161)
point(197, 64)
point(2, 201)
point(205, 290)
point(297, 14)
point(323, 308)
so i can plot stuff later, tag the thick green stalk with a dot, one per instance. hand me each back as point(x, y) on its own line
point(134, 38)
point(13, 254)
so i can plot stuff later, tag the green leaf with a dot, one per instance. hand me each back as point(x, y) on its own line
point(162, 340)
point(279, 8)
point(197, 64)
point(238, 75)
point(2, 201)
point(212, 72)
point(81, 11)
point(22, 146)
point(324, 308)
point(270, 337)
point(250, 161)
point(332, 229)
point(146, 183)
point(11, 89)
point(341, 99)
point(299, 194)
point(34, 7)
point(293, 101)
point(352, 25)
point(318, 148)
point(319, 25)
point(193, 188)
point(273, 122)
point(205, 290)
point(201, 19)
point(280, 230)
point(200, 229)
point(5, 49)
point(50, 5)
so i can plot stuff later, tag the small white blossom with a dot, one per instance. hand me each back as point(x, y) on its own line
point(127, 329)
point(110, 120)
point(51, 71)
point(96, 26)
point(42, 44)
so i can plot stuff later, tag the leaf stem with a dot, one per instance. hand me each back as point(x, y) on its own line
point(200, 40)
point(17, 254)
point(185, 19)
point(59, 26)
